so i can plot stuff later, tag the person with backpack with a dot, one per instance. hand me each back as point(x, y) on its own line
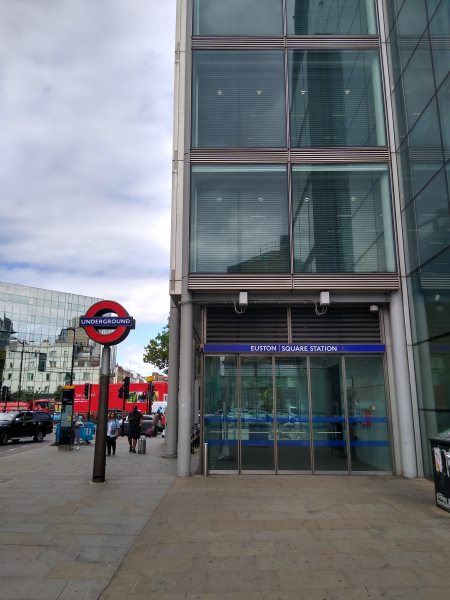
point(112, 431)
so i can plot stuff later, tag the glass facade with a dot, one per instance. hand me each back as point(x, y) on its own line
point(37, 342)
point(235, 17)
point(238, 99)
point(419, 46)
point(265, 17)
point(290, 174)
point(239, 219)
point(335, 17)
point(342, 219)
point(336, 98)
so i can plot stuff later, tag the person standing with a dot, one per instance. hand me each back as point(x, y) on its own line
point(112, 431)
point(134, 427)
point(78, 424)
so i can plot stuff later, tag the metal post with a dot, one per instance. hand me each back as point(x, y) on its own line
point(73, 359)
point(205, 459)
point(402, 388)
point(172, 397)
point(185, 391)
point(98, 475)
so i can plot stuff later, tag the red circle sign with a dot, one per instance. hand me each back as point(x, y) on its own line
point(118, 334)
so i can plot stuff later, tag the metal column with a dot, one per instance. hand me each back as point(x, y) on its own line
point(402, 388)
point(174, 370)
point(185, 391)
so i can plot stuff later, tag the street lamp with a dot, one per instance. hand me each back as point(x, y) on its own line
point(19, 389)
point(72, 362)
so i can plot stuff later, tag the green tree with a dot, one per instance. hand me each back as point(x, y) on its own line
point(157, 350)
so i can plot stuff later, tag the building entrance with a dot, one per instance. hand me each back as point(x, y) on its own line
point(304, 414)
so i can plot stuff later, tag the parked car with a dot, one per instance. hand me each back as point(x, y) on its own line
point(147, 421)
point(26, 423)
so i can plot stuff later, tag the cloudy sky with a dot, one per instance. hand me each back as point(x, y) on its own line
point(86, 135)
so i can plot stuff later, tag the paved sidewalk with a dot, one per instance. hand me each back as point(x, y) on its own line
point(62, 537)
point(290, 538)
point(146, 534)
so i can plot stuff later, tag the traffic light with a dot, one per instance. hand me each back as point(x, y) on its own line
point(4, 393)
point(126, 388)
point(121, 392)
point(151, 390)
point(86, 390)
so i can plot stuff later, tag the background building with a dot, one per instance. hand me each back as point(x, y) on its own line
point(40, 344)
point(310, 231)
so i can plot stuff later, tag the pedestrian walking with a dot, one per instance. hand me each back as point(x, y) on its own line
point(112, 431)
point(134, 427)
point(78, 424)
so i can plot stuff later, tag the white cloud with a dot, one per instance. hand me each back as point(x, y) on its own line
point(85, 150)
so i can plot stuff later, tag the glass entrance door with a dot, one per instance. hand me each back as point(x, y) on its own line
point(292, 416)
point(329, 423)
point(256, 414)
point(367, 416)
point(296, 413)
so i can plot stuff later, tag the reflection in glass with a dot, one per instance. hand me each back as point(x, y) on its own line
point(342, 219)
point(238, 99)
point(257, 427)
point(328, 414)
point(235, 17)
point(336, 98)
point(38, 341)
point(239, 219)
point(334, 17)
point(367, 416)
point(221, 412)
point(427, 221)
point(292, 414)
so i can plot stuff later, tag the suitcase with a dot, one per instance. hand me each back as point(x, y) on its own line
point(142, 445)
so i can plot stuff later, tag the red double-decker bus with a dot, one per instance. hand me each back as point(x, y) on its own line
point(139, 395)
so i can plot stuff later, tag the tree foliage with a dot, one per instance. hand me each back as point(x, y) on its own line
point(157, 350)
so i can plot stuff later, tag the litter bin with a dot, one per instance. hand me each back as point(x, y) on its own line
point(440, 456)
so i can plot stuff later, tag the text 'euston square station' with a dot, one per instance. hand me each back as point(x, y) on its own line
point(310, 256)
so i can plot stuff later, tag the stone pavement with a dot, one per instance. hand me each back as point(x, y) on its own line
point(147, 534)
point(62, 537)
point(290, 538)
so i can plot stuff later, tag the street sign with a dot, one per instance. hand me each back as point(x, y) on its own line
point(95, 319)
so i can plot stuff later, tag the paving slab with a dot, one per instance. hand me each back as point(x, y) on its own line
point(147, 534)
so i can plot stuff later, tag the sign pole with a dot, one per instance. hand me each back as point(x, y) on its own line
point(98, 475)
point(94, 323)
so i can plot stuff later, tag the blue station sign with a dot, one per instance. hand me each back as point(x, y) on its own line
point(303, 348)
point(107, 322)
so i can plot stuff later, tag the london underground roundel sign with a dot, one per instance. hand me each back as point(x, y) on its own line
point(95, 320)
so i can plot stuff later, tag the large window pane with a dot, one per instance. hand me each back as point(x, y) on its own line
point(239, 219)
point(336, 98)
point(238, 99)
point(342, 219)
point(334, 17)
point(235, 17)
point(415, 89)
point(439, 32)
point(427, 220)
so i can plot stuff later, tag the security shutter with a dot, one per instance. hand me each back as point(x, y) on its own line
point(256, 324)
point(346, 324)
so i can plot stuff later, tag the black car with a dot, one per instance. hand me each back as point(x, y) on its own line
point(25, 423)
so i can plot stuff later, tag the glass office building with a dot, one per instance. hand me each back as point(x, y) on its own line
point(418, 43)
point(41, 345)
point(310, 233)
